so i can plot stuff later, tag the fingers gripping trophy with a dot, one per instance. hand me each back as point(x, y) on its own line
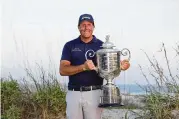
point(108, 67)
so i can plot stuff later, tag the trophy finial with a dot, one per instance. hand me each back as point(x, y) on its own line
point(108, 44)
point(107, 37)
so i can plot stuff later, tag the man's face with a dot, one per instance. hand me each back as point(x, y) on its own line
point(86, 29)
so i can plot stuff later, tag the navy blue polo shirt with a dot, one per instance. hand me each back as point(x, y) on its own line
point(74, 51)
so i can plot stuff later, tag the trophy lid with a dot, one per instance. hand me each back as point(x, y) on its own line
point(107, 44)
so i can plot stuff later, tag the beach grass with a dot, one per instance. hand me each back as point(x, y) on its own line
point(162, 98)
point(34, 98)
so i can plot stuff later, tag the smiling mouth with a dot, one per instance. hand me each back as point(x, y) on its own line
point(86, 31)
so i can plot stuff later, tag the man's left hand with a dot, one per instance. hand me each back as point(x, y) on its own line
point(125, 65)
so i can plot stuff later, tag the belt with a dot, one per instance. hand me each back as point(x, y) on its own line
point(84, 88)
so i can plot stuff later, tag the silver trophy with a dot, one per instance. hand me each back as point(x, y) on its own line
point(108, 67)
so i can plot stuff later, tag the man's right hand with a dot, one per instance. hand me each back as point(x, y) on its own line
point(89, 65)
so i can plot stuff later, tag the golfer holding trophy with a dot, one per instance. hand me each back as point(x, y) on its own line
point(108, 67)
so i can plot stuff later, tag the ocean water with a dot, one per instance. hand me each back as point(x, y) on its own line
point(132, 89)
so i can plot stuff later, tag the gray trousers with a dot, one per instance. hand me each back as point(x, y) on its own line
point(83, 105)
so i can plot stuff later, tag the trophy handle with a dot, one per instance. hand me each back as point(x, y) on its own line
point(90, 53)
point(126, 52)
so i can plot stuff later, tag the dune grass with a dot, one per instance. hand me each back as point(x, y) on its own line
point(32, 97)
point(161, 98)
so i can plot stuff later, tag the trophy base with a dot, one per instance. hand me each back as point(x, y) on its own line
point(110, 105)
point(110, 96)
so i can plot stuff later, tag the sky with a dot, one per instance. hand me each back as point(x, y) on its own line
point(35, 31)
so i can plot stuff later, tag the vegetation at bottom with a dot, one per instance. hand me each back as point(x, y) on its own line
point(161, 98)
point(33, 98)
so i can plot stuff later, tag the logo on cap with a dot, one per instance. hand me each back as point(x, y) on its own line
point(85, 18)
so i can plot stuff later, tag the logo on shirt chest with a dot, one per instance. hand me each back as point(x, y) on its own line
point(76, 50)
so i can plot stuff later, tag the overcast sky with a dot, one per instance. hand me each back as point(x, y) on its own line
point(36, 30)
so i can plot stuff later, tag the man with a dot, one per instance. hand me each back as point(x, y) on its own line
point(84, 83)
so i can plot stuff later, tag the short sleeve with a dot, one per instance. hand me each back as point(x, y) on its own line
point(66, 53)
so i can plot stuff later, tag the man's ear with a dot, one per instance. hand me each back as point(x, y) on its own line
point(79, 28)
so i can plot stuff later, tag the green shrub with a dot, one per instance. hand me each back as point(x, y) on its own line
point(13, 112)
point(10, 99)
point(36, 97)
point(51, 100)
